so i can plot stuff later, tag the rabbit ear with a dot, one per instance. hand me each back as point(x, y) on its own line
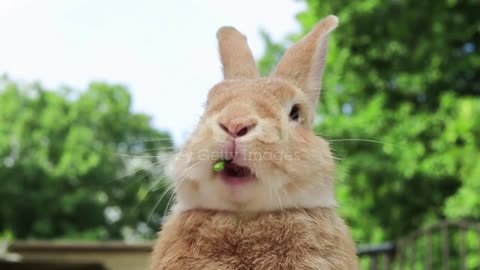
point(236, 57)
point(304, 62)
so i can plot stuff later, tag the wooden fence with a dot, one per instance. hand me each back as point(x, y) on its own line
point(444, 246)
point(448, 245)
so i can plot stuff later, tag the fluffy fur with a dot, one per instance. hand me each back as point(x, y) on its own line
point(305, 239)
point(285, 218)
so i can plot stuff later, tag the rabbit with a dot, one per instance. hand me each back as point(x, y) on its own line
point(272, 205)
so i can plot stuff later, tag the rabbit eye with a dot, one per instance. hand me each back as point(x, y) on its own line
point(295, 112)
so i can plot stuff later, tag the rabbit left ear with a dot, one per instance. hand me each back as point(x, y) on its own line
point(304, 62)
point(236, 57)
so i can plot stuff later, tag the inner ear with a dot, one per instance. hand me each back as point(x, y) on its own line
point(303, 64)
point(237, 58)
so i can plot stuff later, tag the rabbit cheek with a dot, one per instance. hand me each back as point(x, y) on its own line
point(305, 136)
point(268, 137)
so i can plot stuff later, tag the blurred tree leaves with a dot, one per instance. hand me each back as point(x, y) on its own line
point(77, 164)
point(401, 106)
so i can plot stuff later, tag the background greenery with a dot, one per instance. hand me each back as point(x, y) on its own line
point(400, 105)
point(76, 164)
point(405, 74)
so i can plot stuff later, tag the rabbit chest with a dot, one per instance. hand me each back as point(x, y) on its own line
point(290, 239)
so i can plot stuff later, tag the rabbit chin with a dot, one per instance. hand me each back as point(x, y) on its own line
point(268, 193)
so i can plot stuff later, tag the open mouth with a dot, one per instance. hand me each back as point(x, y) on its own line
point(235, 174)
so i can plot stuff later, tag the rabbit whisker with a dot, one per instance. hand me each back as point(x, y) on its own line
point(184, 177)
point(152, 188)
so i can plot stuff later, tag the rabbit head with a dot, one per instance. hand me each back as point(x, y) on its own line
point(261, 127)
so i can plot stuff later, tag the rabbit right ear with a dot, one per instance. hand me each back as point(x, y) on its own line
point(304, 62)
point(236, 57)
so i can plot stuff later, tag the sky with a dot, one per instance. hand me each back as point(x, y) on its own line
point(165, 52)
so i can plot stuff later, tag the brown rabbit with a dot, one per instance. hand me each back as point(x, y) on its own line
point(272, 206)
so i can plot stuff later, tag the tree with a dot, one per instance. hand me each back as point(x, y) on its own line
point(400, 104)
point(71, 163)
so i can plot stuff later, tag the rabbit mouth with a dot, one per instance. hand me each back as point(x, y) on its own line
point(236, 174)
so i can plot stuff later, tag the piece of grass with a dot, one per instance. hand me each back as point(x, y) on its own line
point(219, 166)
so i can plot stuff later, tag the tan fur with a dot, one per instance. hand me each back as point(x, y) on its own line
point(237, 59)
point(303, 239)
point(306, 68)
point(285, 218)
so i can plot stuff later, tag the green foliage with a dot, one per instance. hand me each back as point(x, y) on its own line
point(65, 163)
point(404, 74)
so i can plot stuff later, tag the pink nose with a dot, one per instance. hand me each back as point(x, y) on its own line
point(238, 128)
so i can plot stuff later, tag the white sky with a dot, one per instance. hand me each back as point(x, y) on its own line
point(165, 52)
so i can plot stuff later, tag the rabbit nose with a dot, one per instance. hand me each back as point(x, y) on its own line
point(238, 128)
